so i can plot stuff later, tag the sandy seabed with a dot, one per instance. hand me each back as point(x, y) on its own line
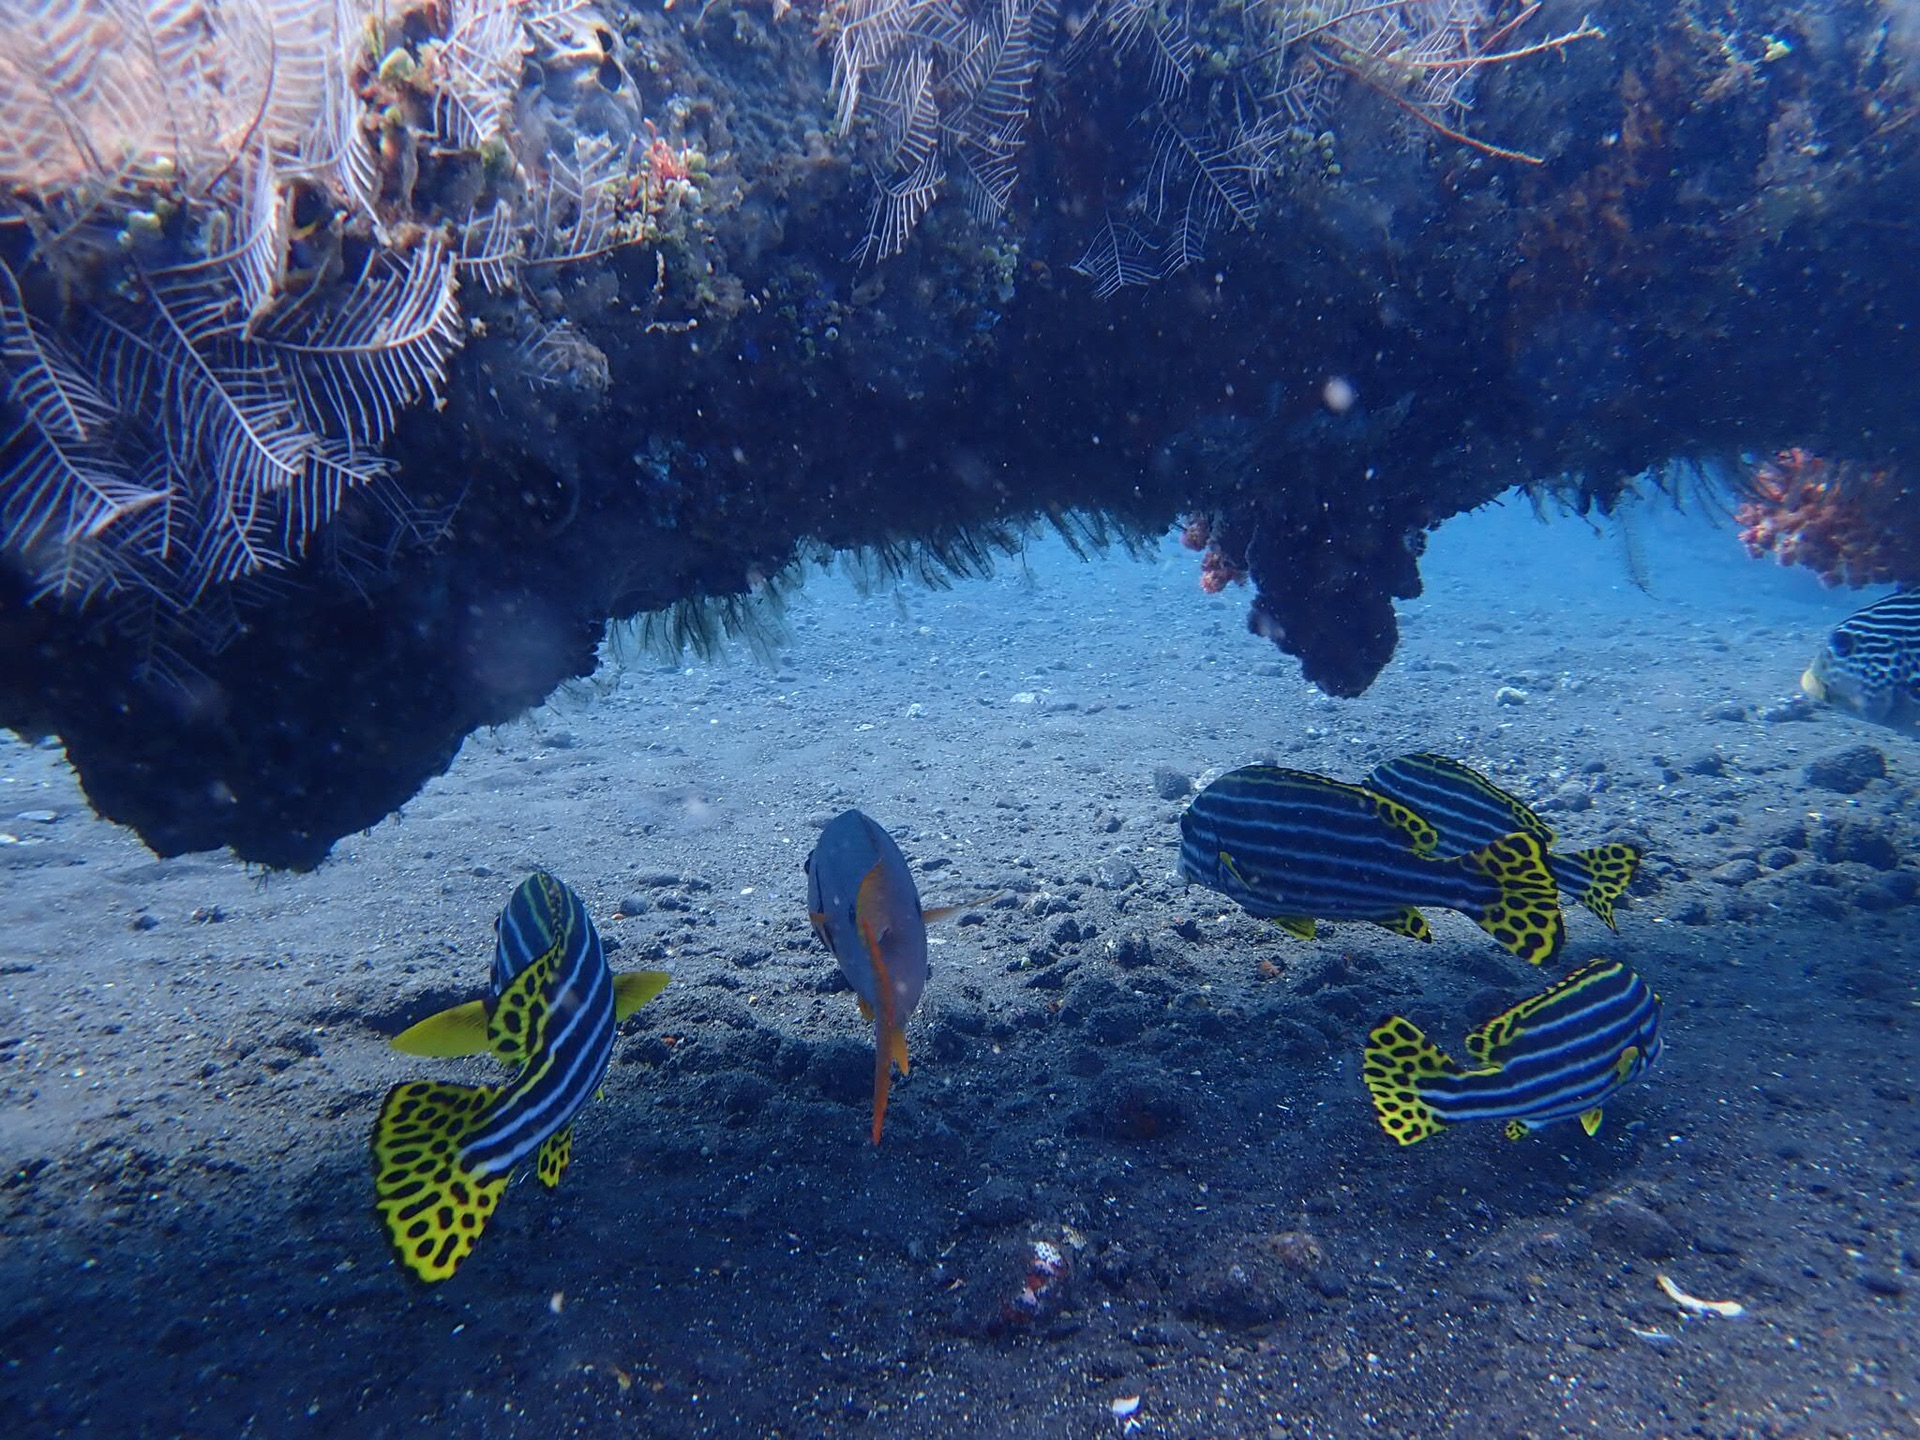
point(191, 1054)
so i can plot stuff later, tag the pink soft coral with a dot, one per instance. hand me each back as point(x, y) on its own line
point(1846, 523)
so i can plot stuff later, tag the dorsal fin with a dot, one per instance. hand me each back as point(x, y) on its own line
point(519, 1017)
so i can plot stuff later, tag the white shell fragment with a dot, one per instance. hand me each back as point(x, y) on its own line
point(1726, 1308)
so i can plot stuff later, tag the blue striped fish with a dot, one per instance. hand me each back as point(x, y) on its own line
point(1871, 663)
point(442, 1153)
point(1560, 1055)
point(1290, 846)
point(1468, 810)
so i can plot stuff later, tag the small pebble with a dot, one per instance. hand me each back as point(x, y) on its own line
point(1735, 872)
point(1847, 771)
point(1880, 1282)
point(1170, 784)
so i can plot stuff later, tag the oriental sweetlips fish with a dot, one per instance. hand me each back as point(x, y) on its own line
point(866, 910)
point(1871, 663)
point(442, 1153)
point(1469, 810)
point(1294, 847)
point(1557, 1056)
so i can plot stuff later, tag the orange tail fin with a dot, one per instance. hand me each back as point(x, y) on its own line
point(889, 1050)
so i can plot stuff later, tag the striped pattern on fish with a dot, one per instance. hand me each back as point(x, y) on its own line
point(1871, 663)
point(1293, 846)
point(1468, 810)
point(443, 1152)
point(1559, 1055)
point(554, 993)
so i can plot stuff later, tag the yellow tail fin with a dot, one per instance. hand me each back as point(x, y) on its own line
point(434, 1208)
point(1598, 877)
point(1525, 915)
point(1398, 1058)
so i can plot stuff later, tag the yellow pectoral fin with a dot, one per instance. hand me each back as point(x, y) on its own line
point(459, 1031)
point(1590, 1122)
point(866, 1010)
point(1299, 926)
point(1227, 864)
point(635, 988)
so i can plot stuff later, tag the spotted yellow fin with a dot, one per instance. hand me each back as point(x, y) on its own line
point(518, 1020)
point(1481, 1043)
point(1418, 831)
point(551, 1161)
point(1301, 927)
point(1398, 1057)
point(1598, 877)
point(1409, 922)
point(432, 1206)
point(459, 1031)
point(1487, 1039)
point(1524, 915)
point(635, 988)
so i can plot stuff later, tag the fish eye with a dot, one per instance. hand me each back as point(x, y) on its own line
point(1841, 644)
